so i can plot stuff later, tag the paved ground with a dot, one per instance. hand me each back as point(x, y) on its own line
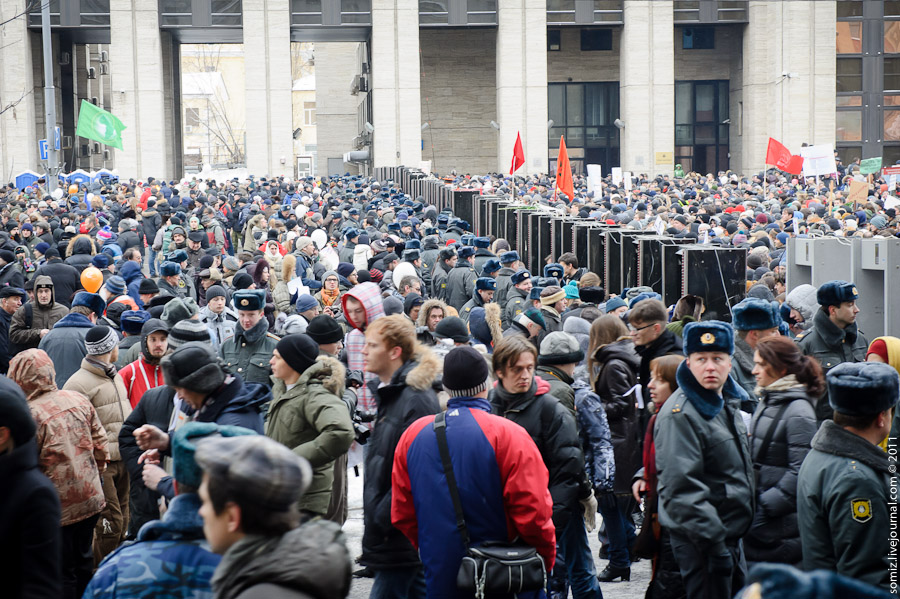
point(635, 589)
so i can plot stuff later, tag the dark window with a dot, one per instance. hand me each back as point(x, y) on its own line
point(554, 40)
point(596, 40)
point(849, 8)
point(892, 73)
point(584, 113)
point(849, 74)
point(698, 38)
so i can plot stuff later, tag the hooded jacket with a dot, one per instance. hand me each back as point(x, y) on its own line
point(803, 299)
point(108, 397)
point(65, 345)
point(66, 279)
point(309, 562)
point(236, 403)
point(552, 428)
point(23, 336)
point(614, 384)
point(131, 272)
point(171, 552)
point(775, 535)
point(142, 375)
point(80, 251)
point(427, 307)
point(312, 420)
point(71, 440)
point(369, 295)
point(405, 399)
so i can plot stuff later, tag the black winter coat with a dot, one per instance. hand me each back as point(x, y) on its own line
point(408, 397)
point(151, 221)
point(618, 364)
point(775, 534)
point(130, 239)
point(552, 427)
point(155, 407)
point(12, 276)
point(66, 279)
point(29, 526)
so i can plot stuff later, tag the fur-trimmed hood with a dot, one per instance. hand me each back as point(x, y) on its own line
point(425, 370)
point(81, 244)
point(326, 371)
point(426, 308)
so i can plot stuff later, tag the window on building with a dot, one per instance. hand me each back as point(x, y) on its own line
point(584, 114)
point(849, 37)
point(596, 40)
point(191, 119)
point(698, 38)
point(702, 123)
point(554, 40)
point(892, 73)
point(849, 8)
point(306, 12)
point(848, 125)
point(309, 113)
point(849, 74)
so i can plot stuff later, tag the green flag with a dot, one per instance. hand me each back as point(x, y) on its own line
point(870, 166)
point(99, 125)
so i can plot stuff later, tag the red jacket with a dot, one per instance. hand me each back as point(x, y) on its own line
point(503, 487)
point(139, 377)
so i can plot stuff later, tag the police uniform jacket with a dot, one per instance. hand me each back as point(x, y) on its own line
point(842, 506)
point(429, 261)
point(460, 284)
point(475, 302)
point(504, 284)
point(742, 372)
point(247, 353)
point(439, 281)
point(706, 481)
point(516, 303)
point(482, 255)
point(831, 345)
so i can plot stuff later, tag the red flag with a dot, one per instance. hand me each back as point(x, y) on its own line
point(518, 158)
point(777, 154)
point(794, 165)
point(564, 182)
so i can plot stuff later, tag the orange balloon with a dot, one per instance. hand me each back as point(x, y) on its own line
point(73, 189)
point(91, 279)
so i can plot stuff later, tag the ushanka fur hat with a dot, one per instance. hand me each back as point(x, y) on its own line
point(194, 366)
point(862, 389)
point(708, 336)
point(754, 314)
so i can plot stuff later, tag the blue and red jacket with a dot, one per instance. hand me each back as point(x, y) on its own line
point(502, 484)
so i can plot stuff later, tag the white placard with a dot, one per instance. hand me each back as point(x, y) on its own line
point(626, 179)
point(616, 175)
point(296, 286)
point(595, 174)
point(818, 160)
point(659, 225)
point(891, 202)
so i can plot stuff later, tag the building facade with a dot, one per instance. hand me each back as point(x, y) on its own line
point(448, 84)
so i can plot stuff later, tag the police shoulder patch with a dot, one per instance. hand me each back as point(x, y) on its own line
point(861, 509)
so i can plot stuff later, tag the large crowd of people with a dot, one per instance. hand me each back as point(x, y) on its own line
point(191, 368)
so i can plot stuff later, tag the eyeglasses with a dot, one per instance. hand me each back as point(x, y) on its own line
point(635, 329)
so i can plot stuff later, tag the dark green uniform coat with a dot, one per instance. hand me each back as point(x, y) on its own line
point(516, 303)
point(247, 353)
point(842, 506)
point(504, 284)
point(703, 463)
point(460, 284)
point(831, 345)
point(312, 420)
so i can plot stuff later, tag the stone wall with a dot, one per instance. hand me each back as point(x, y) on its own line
point(459, 99)
point(569, 63)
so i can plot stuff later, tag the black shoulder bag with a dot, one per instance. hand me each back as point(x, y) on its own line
point(494, 568)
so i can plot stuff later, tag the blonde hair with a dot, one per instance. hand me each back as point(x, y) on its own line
point(396, 331)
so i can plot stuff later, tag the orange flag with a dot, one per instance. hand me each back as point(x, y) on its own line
point(564, 182)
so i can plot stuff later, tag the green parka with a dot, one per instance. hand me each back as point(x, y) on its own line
point(313, 421)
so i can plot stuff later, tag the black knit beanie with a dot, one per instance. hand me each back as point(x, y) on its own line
point(299, 351)
point(466, 372)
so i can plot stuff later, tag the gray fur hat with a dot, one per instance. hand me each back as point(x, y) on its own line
point(194, 366)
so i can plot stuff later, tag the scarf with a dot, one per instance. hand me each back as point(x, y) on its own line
point(708, 403)
point(329, 297)
point(236, 559)
point(109, 369)
point(508, 400)
point(785, 383)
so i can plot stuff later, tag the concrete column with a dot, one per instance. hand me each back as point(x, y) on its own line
point(18, 135)
point(799, 107)
point(396, 97)
point(647, 86)
point(267, 76)
point(336, 107)
point(139, 89)
point(522, 83)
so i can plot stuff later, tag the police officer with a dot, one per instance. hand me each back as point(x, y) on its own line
point(430, 251)
point(482, 253)
point(170, 280)
point(703, 465)
point(461, 280)
point(249, 350)
point(483, 294)
point(509, 261)
point(490, 268)
point(834, 337)
point(517, 298)
point(753, 319)
point(843, 486)
point(556, 271)
point(446, 262)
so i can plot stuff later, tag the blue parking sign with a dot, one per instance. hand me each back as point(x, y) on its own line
point(57, 142)
point(42, 148)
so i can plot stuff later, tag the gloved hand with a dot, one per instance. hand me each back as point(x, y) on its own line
point(590, 512)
